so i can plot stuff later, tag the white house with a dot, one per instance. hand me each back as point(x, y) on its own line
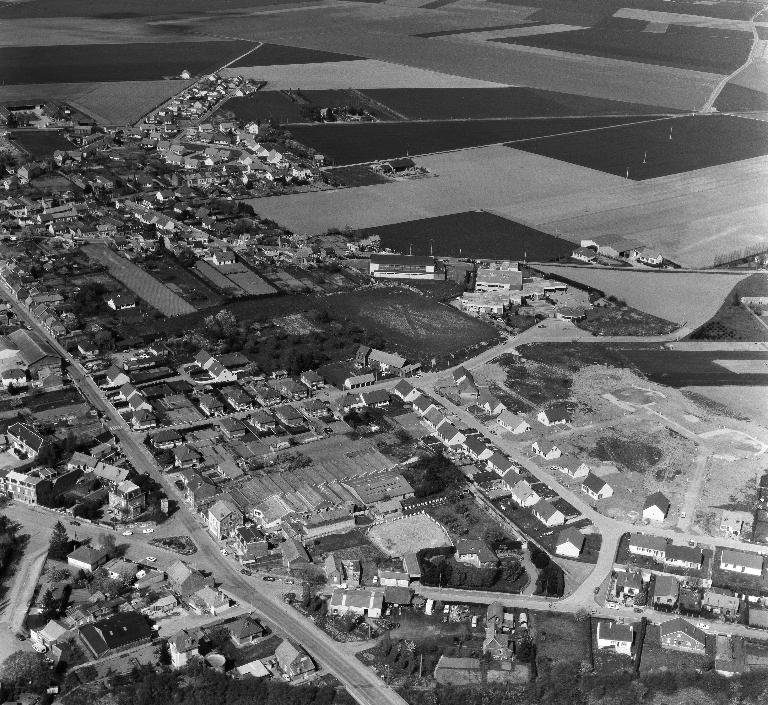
point(572, 467)
point(363, 602)
point(619, 637)
point(546, 449)
point(547, 514)
point(656, 507)
point(741, 562)
point(596, 487)
point(476, 449)
point(406, 391)
point(570, 543)
point(649, 546)
point(450, 435)
point(512, 422)
point(555, 415)
point(524, 495)
point(120, 302)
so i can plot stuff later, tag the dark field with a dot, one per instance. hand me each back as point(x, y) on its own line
point(735, 98)
point(278, 55)
point(696, 142)
point(473, 234)
point(674, 368)
point(470, 30)
point(113, 62)
point(263, 105)
point(40, 144)
point(359, 175)
point(685, 47)
point(478, 103)
point(367, 142)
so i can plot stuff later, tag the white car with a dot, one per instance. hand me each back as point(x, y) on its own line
point(127, 533)
point(224, 552)
point(40, 648)
point(151, 559)
point(147, 531)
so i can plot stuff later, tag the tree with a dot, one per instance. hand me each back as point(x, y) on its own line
point(163, 653)
point(59, 543)
point(48, 604)
point(26, 670)
point(107, 541)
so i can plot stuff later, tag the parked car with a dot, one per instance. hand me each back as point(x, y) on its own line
point(147, 531)
point(40, 648)
point(127, 533)
point(20, 636)
point(269, 579)
point(288, 581)
point(75, 523)
point(151, 559)
point(245, 571)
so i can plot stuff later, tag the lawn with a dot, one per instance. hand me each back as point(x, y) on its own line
point(191, 287)
point(739, 582)
point(41, 144)
point(346, 143)
point(687, 47)
point(658, 147)
point(114, 62)
point(409, 534)
point(624, 321)
point(735, 98)
point(656, 658)
point(474, 234)
point(479, 103)
point(560, 638)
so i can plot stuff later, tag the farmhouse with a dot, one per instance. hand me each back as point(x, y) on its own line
point(547, 514)
point(512, 422)
point(363, 602)
point(656, 507)
point(741, 562)
point(555, 415)
point(570, 543)
point(652, 546)
point(404, 267)
point(612, 635)
point(476, 553)
point(680, 635)
point(596, 487)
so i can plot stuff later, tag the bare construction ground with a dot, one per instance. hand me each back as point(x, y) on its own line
point(144, 285)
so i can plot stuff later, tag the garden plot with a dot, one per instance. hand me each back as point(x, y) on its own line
point(409, 534)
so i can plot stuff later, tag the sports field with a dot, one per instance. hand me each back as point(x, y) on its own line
point(409, 534)
point(40, 144)
point(475, 234)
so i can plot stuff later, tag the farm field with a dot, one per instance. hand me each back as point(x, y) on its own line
point(40, 144)
point(479, 103)
point(659, 148)
point(367, 142)
point(686, 47)
point(142, 284)
point(409, 535)
point(277, 55)
point(474, 234)
point(357, 175)
point(736, 98)
point(262, 105)
point(113, 62)
point(183, 282)
point(687, 297)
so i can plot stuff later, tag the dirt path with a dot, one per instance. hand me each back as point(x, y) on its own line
point(693, 492)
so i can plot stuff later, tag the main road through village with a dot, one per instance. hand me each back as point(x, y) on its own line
point(337, 658)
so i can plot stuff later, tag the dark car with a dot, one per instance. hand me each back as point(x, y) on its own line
point(269, 578)
point(596, 590)
point(75, 523)
point(245, 571)
point(21, 637)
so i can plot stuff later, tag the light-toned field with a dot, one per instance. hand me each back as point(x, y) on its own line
point(117, 103)
point(754, 76)
point(365, 73)
point(409, 534)
point(678, 296)
point(144, 285)
point(689, 217)
point(636, 13)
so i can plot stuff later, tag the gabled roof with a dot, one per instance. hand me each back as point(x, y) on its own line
point(684, 554)
point(423, 402)
point(594, 483)
point(571, 535)
point(657, 499)
point(666, 585)
point(742, 558)
point(27, 436)
point(557, 412)
point(613, 631)
point(404, 387)
point(648, 542)
point(447, 431)
point(474, 445)
point(546, 510)
point(478, 548)
point(678, 624)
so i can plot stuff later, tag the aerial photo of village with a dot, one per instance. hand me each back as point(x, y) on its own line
point(384, 352)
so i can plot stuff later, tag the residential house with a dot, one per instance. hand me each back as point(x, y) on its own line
point(245, 630)
point(496, 644)
point(362, 601)
point(121, 302)
point(406, 391)
point(209, 600)
point(223, 519)
point(293, 661)
point(375, 399)
point(679, 634)
point(656, 507)
point(572, 467)
point(612, 635)
point(393, 578)
point(128, 499)
point(114, 634)
point(183, 645)
point(185, 456)
point(25, 487)
point(524, 495)
point(570, 543)
point(166, 439)
point(757, 618)
point(596, 487)
point(87, 558)
point(423, 404)
point(650, 546)
point(512, 422)
point(294, 554)
point(490, 404)
point(24, 440)
point(547, 513)
point(450, 435)
point(721, 602)
point(341, 572)
point(546, 449)
point(500, 464)
point(686, 557)
point(476, 448)
point(251, 543)
point(666, 591)
point(311, 379)
point(210, 405)
point(185, 580)
point(555, 415)
point(741, 562)
point(628, 584)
